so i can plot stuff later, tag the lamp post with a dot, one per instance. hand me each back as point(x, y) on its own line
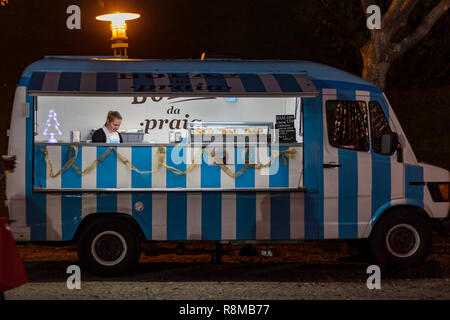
point(118, 28)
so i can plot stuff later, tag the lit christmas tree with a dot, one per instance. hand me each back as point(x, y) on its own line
point(52, 126)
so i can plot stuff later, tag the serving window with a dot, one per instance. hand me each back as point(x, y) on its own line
point(157, 119)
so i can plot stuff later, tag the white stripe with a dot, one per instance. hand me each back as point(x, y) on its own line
point(397, 168)
point(295, 168)
point(88, 204)
point(297, 215)
point(54, 223)
point(263, 215)
point(88, 156)
point(262, 176)
point(364, 177)
point(198, 83)
point(193, 179)
point(51, 81)
point(270, 83)
point(225, 180)
point(235, 84)
point(194, 216)
point(54, 155)
point(88, 81)
point(159, 177)
point(331, 177)
point(159, 216)
point(125, 85)
point(15, 181)
point(124, 203)
point(162, 84)
point(123, 173)
point(228, 216)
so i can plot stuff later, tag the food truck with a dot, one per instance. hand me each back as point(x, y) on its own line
point(230, 151)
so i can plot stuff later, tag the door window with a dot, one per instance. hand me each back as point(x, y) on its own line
point(347, 124)
point(379, 125)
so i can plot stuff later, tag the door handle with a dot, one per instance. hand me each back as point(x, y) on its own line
point(331, 165)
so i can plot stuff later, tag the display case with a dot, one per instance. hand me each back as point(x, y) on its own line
point(207, 132)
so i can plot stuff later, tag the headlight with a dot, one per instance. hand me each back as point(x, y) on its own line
point(439, 191)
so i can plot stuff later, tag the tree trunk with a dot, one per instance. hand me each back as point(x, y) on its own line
point(376, 62)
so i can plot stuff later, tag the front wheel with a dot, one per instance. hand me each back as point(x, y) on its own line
point(402, 238)
point(109, 247)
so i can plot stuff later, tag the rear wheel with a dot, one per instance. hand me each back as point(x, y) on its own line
point(109, 247)
point(402, 238)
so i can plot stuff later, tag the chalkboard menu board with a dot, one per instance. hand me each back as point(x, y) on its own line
point(286, 130)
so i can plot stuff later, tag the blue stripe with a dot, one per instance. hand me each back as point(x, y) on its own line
point(313, 172)
point(252, 83)
point(216, 82)
point(246, 180)
point(176, 216)
point(143, 82)
point(211, 216)
point(142, 160)
point(381, 171)
point(175, 157)
point(107, 202)
point(70, 178)
point(107, 170)
point(36, 203)
point(36, 81)
point(413, 192)
point(287, 83)
point(70, 214)
point(180, 82)
point(279, 171)
point(40, 168)
point(25, 81)
point(210, 174)
point(280, 215)
point(144, 218)
point(348, 194)
point(245, 215)
point(69, 81)
point(107, 81)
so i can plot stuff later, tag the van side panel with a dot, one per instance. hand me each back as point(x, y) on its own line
point(313, 159)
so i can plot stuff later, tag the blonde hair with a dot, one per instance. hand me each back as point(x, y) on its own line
point(113, 115)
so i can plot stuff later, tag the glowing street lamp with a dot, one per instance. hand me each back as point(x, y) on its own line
point(119, 27)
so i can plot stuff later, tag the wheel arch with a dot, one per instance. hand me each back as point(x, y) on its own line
point(92, 218)
point(388, 209)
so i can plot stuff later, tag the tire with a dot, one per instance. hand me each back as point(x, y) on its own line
point(109, 247)
point(401, 239)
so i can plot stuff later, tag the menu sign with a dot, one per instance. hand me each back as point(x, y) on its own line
point(285, 126)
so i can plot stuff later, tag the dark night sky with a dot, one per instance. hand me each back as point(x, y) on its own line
point(248, 29)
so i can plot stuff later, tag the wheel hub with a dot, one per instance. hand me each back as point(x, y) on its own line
point(402, 240)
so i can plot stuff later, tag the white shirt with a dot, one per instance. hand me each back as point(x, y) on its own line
point(111, 137)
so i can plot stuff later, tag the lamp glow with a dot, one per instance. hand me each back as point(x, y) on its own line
point(118, 28)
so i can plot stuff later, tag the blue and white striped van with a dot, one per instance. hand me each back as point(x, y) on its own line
point(352, 175)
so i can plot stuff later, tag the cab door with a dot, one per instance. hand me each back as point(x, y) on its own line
point(346, 164)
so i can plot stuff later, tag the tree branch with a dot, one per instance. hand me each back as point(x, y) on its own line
point(391, 13)
point(399, 48)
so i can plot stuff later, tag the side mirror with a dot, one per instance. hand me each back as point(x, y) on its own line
point(389, 143)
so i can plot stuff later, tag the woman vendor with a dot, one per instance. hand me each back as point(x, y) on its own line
point(108, 133)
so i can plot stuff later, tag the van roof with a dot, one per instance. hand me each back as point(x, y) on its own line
point(323, 76)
